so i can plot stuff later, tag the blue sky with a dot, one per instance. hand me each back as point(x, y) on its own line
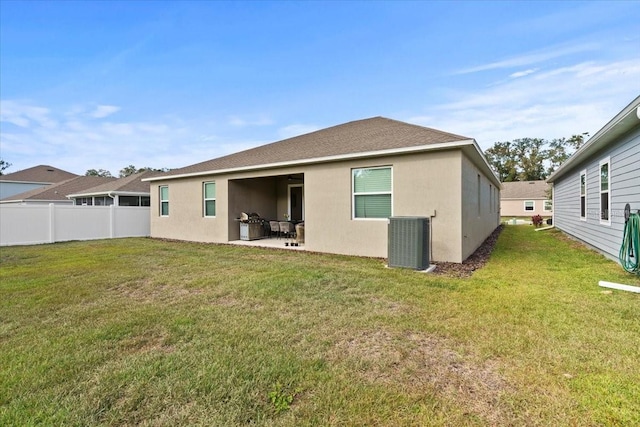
point(101, 85)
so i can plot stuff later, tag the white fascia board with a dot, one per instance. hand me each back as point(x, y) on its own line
point(108, 193)
point(35, 201)
point(26, 182)
point(361, 155)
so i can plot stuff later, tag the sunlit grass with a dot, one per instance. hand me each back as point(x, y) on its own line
point(150, 332)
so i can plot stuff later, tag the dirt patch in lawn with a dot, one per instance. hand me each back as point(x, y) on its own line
point(476, 261)
point(420, 361)
point(147, 291)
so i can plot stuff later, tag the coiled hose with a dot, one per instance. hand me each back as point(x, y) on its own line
point(630, 249)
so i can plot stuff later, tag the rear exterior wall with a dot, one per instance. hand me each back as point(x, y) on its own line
point(427, 184)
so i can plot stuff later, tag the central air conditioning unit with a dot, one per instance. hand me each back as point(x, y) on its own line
point(409, 242)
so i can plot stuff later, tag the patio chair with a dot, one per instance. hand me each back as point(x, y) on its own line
point(275, 228)
point(287, 229)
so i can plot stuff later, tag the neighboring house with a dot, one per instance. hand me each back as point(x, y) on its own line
point(127, 191)
point(56, 193)
point(343, 182)
point(525, 198)
point(30, 179)
point(591, 189)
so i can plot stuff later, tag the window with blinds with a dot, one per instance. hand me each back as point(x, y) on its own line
point(371, 192)
point(209, 191)
point(164, 200)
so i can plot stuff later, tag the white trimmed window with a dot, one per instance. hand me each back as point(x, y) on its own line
point(164, 200)
point(605, 191)
point(371, 192)
point(209, 193)
point(529, 205)
point(583, 195)
point(548, 205)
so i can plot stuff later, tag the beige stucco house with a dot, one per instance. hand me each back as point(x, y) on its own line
point(344, 182)
point(525, 198)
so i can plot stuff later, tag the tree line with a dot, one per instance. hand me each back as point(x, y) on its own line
point(531, 159)
point(124, 172)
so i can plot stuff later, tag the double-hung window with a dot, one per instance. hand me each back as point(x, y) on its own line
point(583, 195)
point(548, 205)
point(164, 200)
point(371, 192)
point(605, 190)
point(529, 205)
point(209, 193)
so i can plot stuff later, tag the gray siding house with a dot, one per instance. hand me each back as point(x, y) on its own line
point(30, 179)
point(591, 189)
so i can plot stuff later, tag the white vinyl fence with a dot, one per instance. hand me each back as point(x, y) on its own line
point(35, 224)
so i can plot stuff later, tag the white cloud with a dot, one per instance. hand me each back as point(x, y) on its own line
point(523, 73)
point(77, 142)
point(295, 130)
point(551, 104)
point(24, 114)
point(102, 111)
point(530, 58)
point(255, 121)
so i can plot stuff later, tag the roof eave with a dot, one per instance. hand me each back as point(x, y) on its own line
point(109, 193)
point(327, 159)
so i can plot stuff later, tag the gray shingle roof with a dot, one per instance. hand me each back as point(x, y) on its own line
point(129, 184)
point(60, 190)
point(360, 136)
point(40, 174)
point(524, 190)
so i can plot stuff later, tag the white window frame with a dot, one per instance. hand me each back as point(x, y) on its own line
point(582, 173)
point(605, 161)
point(544, 206)
point(163, 200)
point(205, 199)
point(533, 205)
point(354, 194)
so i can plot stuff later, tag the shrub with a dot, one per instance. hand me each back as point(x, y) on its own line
point(537, 220)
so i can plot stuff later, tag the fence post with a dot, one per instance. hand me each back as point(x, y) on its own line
point(52, 223)
point(112, 221)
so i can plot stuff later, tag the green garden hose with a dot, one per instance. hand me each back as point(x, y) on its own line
point(630, 249)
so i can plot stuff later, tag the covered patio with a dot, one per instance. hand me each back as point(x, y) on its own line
point(278, 198)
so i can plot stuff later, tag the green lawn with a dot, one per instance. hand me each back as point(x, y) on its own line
point(159, 333)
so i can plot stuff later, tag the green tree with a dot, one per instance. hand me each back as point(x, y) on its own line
point(561, 149)
point(3, 166)
point(131, 169)
point(98, 172)
point(502, 159)
point(530, 159)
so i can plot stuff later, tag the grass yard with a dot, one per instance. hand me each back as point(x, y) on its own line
point(159, 333)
